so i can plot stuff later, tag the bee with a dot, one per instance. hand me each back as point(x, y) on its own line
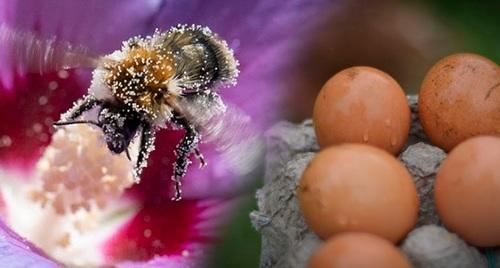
point(167, 79)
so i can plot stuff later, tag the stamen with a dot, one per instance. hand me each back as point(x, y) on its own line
point(78, 172)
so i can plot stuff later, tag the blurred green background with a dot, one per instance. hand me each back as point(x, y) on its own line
point(402, 38)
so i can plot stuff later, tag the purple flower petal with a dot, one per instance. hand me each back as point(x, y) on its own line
point(265, 36)
point(99, 25)
point(17, 252)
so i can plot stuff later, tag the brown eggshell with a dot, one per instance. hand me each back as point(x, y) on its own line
point(362, 105)
point(467, 191)
point(359, 250)
point(459, 99)
point(356, 187)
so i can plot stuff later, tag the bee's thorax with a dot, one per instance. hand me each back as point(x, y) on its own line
point(140, 80)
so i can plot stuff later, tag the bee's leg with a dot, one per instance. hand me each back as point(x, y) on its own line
point(145, 148)
point(127, 152)
point(200, 157)
point(79, 107)
point(188, 145)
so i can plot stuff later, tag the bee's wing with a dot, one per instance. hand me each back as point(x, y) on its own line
point(37, 55)
point(226, 126)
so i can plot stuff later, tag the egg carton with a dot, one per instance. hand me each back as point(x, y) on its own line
point(287, 241)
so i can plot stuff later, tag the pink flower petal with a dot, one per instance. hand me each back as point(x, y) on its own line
point(214, 180)
point(27, 114)
point(169, 229)
point(264, 35)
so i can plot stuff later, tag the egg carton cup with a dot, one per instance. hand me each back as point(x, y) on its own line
point(287, 241)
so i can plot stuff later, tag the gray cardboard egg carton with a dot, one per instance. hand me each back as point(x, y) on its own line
point(288, 242)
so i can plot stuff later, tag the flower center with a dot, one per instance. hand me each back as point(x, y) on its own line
point(73, 205)
point(77, 172)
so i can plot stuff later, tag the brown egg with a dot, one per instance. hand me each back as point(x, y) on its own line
point(467, 191)
point(362, 105)
point(359, 250)
point(357, 187)
point(459, 99)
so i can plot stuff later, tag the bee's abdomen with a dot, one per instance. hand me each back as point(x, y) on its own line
point(203, 60)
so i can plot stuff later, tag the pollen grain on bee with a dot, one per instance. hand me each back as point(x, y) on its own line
point(166, 78)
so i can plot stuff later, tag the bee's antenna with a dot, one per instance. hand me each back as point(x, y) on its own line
point(76, 122)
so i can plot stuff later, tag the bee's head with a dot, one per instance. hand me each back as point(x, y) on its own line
point(119, 128)
point(117, 143)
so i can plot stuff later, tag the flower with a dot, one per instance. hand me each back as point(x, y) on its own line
point(142, 227)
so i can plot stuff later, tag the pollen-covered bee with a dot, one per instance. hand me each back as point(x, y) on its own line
point(169, 78)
